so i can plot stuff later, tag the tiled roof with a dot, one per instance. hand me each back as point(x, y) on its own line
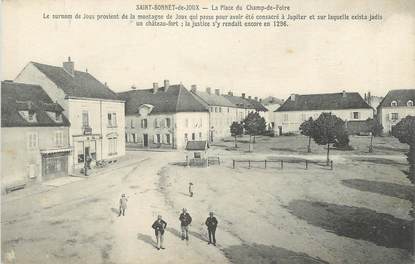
point(246, 103)
point(213, 99)
point(175, 99)
point(82, 84)
point(400, 96)
point(330, 101)
point(197, 145)
point(271, 100)
point(17, 97)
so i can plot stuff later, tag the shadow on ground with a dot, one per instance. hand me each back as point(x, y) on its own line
point(385, 188)
point(261, 254)
point(146, 239)
point(380, 161)
point(355, 222)
point(178, 234)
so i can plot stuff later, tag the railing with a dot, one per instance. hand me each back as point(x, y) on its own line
point(281, 162)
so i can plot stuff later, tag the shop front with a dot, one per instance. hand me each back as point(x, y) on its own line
point(55, 163)
point(86, 148)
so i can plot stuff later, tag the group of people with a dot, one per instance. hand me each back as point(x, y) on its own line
point(185, 220)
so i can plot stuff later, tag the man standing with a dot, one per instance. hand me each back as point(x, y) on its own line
point(185, 220)
point(123, 204)
point(159, 225)
point(211, 224)
point(190, 189)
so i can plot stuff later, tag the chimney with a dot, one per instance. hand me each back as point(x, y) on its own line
point(243, 95)
point(260, 100)
point(292, 97)
point(230, 93)
point(69, 67)
point(133, 87)
point(217, 91)
point(249, 97)
point(208, 90)
point(155, 87)
point(344, 94)
point(194, 88)
point(256, 98)
point(166, 85)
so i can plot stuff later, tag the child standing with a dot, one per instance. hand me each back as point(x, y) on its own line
point(123, 204)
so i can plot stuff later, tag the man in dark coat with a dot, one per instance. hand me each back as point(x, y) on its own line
point(185, 220)
point(211, 224)
point(159, 225)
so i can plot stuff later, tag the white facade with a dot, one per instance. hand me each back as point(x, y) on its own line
point(390, 116)
point(290, 121)
point(220, 121)
point(90, 131)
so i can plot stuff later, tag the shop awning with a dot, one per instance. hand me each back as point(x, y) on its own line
point(57, 150)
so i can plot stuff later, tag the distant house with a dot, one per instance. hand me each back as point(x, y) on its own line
point(35, 136)
point(95, 112)
point(271, 103)
point(372, 100)
point(298, 108)
point(164, 117)
point(221, 112)
point(246, 105)
point(396, 105)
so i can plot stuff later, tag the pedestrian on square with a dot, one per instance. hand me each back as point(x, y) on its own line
point(211, 223)
point(185, 221)
point(123, 205)
point(190, 189)
point(159, 226)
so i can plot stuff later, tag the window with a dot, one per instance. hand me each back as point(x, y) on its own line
point(133, 135)
point(168, 139)
point(132, 123)
point(193, 136)
point(228, 109)
point(156, 123)
point(185, 137)
point(158, 138)
point(30, 116)
point(32, 141)
point(168, 122)
point(220, 109)
point(85, 119)
point(112, 146)
point(410, 103)
point(394, 104)
point(200, 135)
point(197, 155)
point(80, 151)
point(285, 117)
point(58, 138)
point(112, 120)
point(394, 116)
point(356, 115)
point(144, 123)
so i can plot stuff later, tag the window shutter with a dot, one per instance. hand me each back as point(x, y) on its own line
point(155, 139)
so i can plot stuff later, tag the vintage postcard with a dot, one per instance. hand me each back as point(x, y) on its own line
point(201, 131)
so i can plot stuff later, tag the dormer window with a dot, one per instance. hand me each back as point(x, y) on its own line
point(410, 103)
point(28, 115)
point(394, 104)
point(55, 116)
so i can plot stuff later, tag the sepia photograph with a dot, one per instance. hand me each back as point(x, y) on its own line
point(197, 131)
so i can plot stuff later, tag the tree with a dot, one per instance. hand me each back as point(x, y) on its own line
point(326, 129)
point(375, 130)
point(306, 129)
point(404, 130)
point(237, 129)
point(254, 125)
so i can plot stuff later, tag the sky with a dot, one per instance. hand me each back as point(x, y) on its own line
point(303, 58)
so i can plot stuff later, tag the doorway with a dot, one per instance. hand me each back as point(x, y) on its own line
point(145, 140)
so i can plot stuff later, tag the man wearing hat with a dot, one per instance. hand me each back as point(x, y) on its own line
point(159, 225)
point(211, 224)
point(185, 220)
point(123, 204)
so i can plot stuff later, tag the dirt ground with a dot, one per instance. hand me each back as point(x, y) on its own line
point(356, 213)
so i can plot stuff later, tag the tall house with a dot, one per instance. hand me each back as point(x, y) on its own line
point(298, 108)
point(34, 140)
point(95, 112)
point(164, 117)
point(221, 112)
point(396, 105)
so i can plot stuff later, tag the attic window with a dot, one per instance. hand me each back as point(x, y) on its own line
point(55, 116)
point(29, 115)
point(394, 104)
point(410, 103)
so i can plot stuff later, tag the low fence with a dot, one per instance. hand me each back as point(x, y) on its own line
point(280, 162)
